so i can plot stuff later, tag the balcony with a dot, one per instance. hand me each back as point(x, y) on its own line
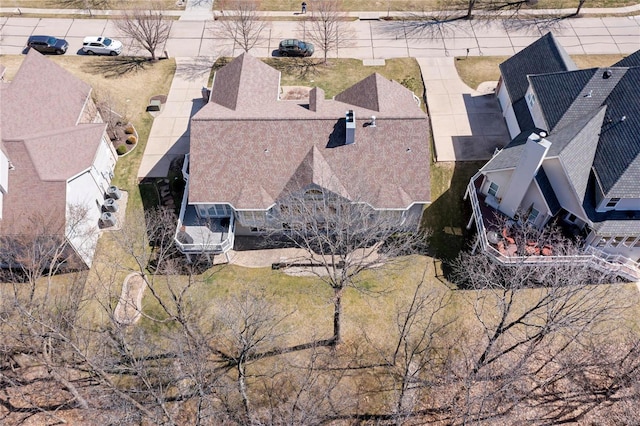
point(203, 235)
point(196, 235)
point(510, 255)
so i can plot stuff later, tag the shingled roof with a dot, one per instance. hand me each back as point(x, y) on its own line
point(40, 112)
point(543, 56)
point(251, 155)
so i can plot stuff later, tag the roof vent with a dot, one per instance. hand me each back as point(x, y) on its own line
point(588, 95)
point(606, 74)
point(624, 117)
point(543, 134)
point(350, 120)
point(373, 121)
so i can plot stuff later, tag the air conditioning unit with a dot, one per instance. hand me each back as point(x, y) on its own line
point(107, 219)
point(114, 192)
point(111, 205)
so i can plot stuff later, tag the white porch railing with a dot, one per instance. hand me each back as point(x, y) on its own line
point(207, 246)
point(597, 259)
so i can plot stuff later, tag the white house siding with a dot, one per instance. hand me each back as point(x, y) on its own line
point(534, 109)
point(507, 112)
point(85, 193)
point(533, 198)
point(625, 204)
point(562, 188)
point(85, 197)
point(500, 178)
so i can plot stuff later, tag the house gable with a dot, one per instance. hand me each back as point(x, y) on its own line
point(277, 145)
point(543, 56)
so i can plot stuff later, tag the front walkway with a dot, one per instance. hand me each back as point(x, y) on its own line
point(467, 124)
point(169, 136)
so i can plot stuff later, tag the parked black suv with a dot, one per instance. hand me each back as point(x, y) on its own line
point(48, 44)
point(294, 47)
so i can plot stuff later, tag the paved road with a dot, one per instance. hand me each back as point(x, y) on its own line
point(370, 39)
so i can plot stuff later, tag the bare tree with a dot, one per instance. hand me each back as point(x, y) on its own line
point(149, 28)
point(327, 27)
point(340, 239)
point(579, 7)
point(241, 23)
point(528, 317)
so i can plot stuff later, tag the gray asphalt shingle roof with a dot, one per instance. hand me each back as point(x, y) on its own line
point(547, 191)
point(543, 56)
point(617, 160)
point(556, 92)
point(575, 145)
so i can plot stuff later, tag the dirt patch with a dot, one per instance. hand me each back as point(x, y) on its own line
point(129, 307)
point(295, 93)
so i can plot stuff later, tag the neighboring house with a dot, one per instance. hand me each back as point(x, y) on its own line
point(250, 150)
point(575, 153)
point(56, 160)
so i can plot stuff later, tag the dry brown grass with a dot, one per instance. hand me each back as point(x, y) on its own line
point(477, 69)
point(93, 4)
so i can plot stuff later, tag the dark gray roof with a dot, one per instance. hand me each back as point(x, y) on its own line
point(541, 57)
point(556, 92)
point(547, 191)
point(509, 156)
point(575, 145)
point(523, 115)
point(617, 160)
point(633, 60)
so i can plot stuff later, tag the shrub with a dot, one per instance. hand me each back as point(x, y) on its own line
point(132, 140)
point(129, 130)
point(121, 149)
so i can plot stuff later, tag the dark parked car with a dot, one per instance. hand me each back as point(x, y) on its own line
point(48, 44)
point(294, 47)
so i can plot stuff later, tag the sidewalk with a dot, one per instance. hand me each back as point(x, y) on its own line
point(202, 10)
point(169, 136)
point(467, 124)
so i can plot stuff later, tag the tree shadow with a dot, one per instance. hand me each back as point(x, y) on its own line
point(113, 67)
point(199, 67)
point(447, 215)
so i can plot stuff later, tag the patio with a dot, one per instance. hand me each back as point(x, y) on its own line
point(197, 234)
point(497, 239)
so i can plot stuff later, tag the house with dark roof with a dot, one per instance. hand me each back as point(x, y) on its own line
point(575, 152)
point(56, 160)
point(250, 149)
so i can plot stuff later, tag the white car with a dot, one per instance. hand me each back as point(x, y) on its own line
point(101, 46)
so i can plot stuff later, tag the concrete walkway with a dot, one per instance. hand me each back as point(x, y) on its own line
point(169, 136)
point(467, 124)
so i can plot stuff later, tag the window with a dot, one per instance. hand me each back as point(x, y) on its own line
point(533, 215)
point(615, 241)
point(314, 194)
point(493, 189)
point(612, 203)
point(531, 100)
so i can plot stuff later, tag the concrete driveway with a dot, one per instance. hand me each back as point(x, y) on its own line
point(467, 124)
